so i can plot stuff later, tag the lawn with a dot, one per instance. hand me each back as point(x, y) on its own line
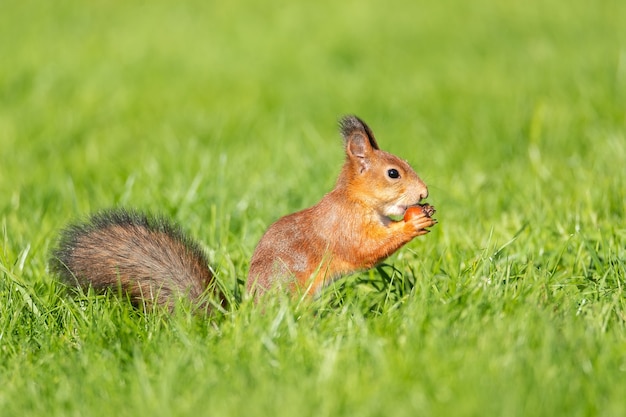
point(223, 116)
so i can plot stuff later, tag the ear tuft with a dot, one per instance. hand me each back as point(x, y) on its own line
point(351, 125)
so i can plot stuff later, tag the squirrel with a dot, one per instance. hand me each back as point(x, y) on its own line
point(348, 230)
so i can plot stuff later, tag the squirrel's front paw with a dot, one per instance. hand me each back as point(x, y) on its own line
point(418, 219)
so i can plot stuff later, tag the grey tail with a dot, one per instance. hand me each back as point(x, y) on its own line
point(148, 257)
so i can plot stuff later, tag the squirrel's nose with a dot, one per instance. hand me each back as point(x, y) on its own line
point(424, 194)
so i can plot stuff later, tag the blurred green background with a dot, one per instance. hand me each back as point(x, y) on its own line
point(222, 115)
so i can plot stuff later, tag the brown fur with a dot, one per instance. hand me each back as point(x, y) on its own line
point(350, 228)
point(149, 258)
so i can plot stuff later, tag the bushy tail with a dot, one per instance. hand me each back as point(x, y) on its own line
point(148, 257)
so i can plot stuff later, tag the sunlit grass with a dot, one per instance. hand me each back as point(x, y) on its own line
point(223, 117)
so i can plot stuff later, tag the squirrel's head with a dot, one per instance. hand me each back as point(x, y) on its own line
point(374, 177)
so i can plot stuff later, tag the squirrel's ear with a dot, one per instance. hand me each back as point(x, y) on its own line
point(358, 140)
point(356, 134)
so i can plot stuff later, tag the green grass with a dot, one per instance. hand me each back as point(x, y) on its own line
point(223, 117)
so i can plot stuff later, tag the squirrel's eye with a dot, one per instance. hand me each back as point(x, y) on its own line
point(393, 173)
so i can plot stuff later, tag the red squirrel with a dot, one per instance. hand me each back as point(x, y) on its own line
point(349, 230)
